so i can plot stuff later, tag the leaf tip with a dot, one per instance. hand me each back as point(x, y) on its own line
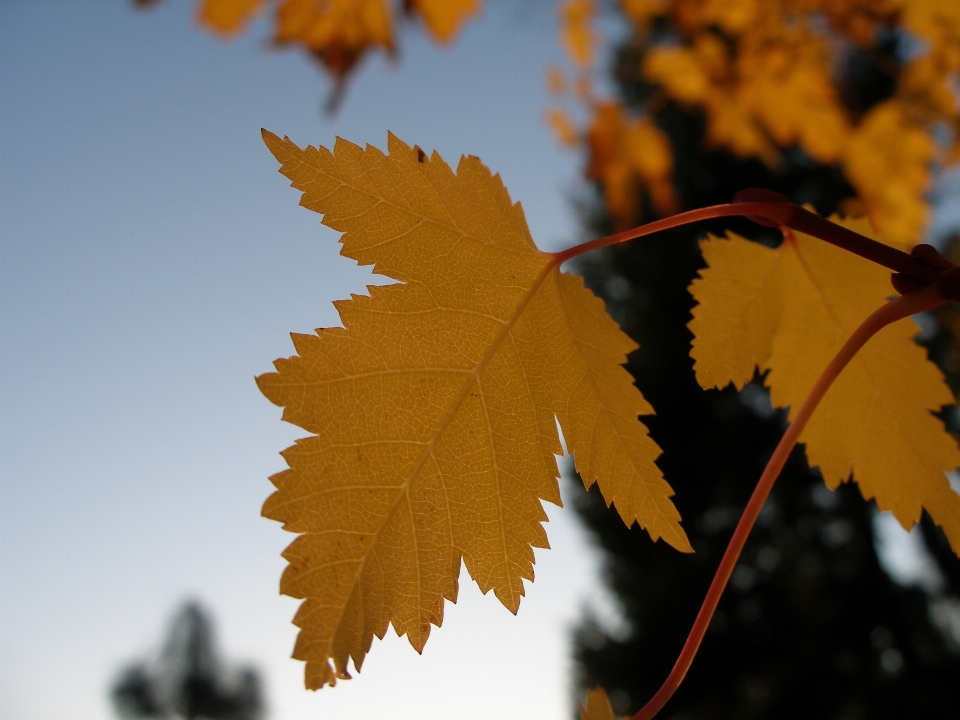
point(672, 534)
point(266, 385)
point(682, 542)
point(270, 139)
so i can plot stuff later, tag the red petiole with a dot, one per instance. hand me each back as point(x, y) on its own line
point(928, 280)
point(913, 270)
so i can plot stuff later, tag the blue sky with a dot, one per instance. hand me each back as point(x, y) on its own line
point(152, 263)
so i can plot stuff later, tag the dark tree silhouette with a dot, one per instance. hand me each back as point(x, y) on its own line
point(188, 680)
point(811, 625)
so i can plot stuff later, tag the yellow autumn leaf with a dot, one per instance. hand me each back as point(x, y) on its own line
point(733, 16)
point(628, 155)
point(765, 76)
point(697, 75)
point(562, 128)
point(577, 34)
point(647, 149)
point(227, 17)
point(598, 706)
point(888, 161)
point(788, 311)
point(641, 12)
point(679, 71)
point(785, 80)
point(936, 22)
point(431, 411)
point(733, 126)
point(444, 18)
point(338, 32)
point(556, 80)
point(927, 84)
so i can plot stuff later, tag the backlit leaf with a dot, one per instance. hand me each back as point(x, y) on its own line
point(432, 409)
point(628, 156)
point(773, 78)
point(641, 12)
point(444, 18)
point(788, 311)
point(338, 32)
point(576, 30)
point(598, 706)
point(227, 17)
point(679, 71)
point(562, 127)
point(889, 160)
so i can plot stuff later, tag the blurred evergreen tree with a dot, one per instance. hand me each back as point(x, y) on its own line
point(811, 625)
point(188, 680)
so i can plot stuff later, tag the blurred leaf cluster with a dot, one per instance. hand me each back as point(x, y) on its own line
point(771, 79)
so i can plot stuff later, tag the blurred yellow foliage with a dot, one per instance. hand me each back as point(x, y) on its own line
point(764, 75)
point(598, 706)
point(444, 18)
point(562, 127)
point(227, 18)
point(629, 155)
point(888, 160)
point(641, 11)
point(337, 32)
point(577, 34)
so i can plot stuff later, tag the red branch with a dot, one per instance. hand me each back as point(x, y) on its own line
point(913, 270)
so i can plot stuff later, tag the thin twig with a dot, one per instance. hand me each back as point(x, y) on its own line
point(779, 213)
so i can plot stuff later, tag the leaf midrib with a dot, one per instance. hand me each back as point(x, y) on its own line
point(404, 489)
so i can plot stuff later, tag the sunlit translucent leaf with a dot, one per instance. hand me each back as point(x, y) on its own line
point(444, 18)
point(627, 157)
point(562, 127)
point(576, 31)
point(787, 312)
point(598, 706)
point(774, 78)
point(339, 33)
point(227, 17)
point(889, 161)
point(432, 410)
